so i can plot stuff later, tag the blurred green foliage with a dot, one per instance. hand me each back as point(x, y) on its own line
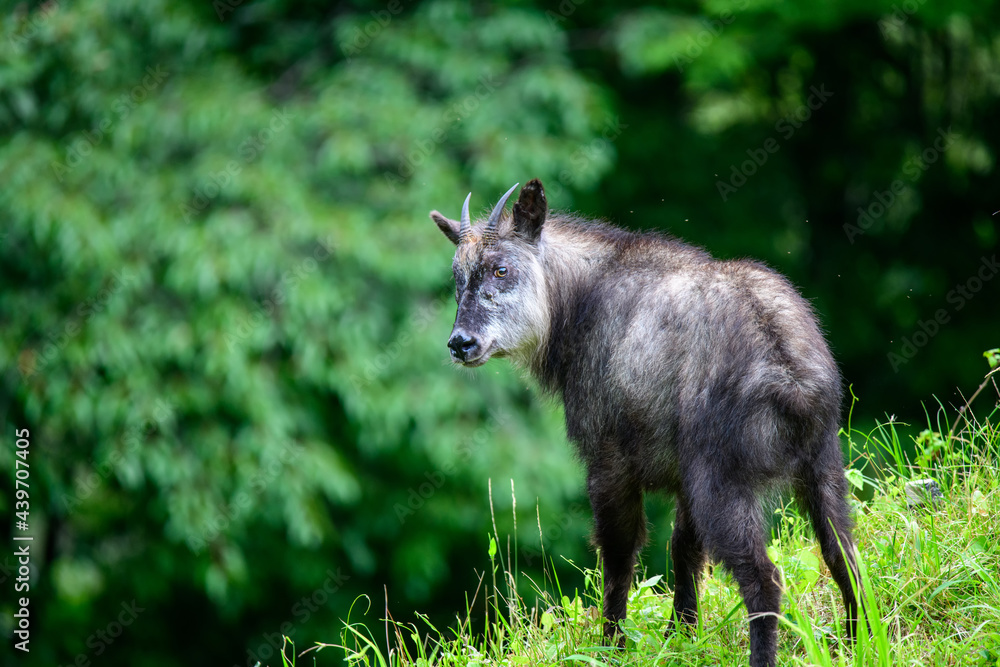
point(223, 308)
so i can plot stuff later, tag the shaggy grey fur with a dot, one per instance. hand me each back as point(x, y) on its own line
point(707, 379)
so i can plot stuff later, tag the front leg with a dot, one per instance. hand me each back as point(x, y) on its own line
point(619, 531)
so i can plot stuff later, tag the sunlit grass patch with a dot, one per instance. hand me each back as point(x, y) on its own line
point(930, 570)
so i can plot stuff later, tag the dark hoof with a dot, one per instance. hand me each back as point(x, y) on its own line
point(687, 624)
point(613, 636)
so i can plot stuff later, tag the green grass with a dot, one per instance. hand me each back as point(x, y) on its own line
point(931, 574)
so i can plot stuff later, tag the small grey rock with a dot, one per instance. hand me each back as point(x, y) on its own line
point(922, 492)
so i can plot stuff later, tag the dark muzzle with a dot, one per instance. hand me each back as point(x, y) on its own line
point(462, 346)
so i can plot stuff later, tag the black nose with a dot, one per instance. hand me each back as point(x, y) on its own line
point(461, 345)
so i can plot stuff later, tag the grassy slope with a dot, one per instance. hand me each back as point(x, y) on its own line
point(933, 577)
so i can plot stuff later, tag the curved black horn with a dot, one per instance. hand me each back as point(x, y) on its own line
point(465, 228)
point(490, 232)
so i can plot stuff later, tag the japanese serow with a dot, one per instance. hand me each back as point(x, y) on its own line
point(707, 379)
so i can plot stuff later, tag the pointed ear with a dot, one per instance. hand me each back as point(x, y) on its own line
point(530, 211)
point(448, 226)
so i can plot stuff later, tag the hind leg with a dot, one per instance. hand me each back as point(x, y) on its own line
point(731, 524)
point(619, 531)
point(821, 489)
point(688, 555)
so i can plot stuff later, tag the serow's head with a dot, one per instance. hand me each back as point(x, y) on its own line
point(499, 284)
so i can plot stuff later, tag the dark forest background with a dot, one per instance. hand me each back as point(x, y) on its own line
point(223, 309)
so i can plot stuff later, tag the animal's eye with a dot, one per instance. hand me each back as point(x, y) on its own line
point(500, 272)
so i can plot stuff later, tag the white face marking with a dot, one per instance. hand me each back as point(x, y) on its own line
point(507, 314)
